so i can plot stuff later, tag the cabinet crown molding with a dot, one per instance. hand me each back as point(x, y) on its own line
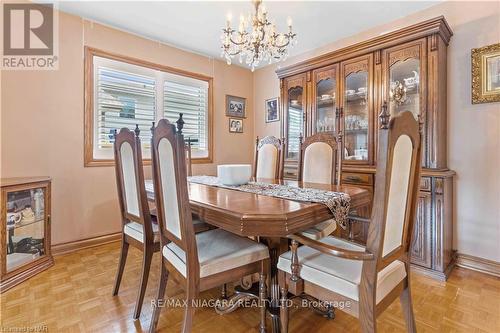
point(435, 26)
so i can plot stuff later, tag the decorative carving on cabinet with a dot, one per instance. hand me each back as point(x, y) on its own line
point(437, 230)
point(404, 54)
point(420, 245)
point(325, 75)
point(434, 42)
point(294, 83)
point(438, 185)
point(384, 117)
point(378, 57)
point(355, 67)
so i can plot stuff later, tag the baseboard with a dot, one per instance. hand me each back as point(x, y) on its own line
point(63, 248)
point(478, 264)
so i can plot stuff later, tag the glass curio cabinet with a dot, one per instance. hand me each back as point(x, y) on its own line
point(25, 236)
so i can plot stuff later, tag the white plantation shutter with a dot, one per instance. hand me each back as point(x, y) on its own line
point(189, 97)
point(123, 99)
point(127, 94)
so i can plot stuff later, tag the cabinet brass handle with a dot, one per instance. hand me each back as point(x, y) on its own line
point(353, 178)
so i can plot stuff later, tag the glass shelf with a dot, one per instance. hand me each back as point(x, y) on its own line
point(356, 119)
point(326, 104)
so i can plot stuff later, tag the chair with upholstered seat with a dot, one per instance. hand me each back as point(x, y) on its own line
point(268, 162)
point(320, 162)
point(196, 262)
point(139, 225)
point(370, 277)
point(139, 228)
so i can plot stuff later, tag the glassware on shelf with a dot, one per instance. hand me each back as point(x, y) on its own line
point(325, 104)
point(404, 86)
point(356, 116)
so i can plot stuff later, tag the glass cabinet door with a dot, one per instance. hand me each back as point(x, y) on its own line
point(356, 109)
point(325, 100)
point(294, 107)
point(25, 234)
point(405, 77)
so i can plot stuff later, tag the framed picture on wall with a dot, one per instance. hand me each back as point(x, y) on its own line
point(272, 110)
point(235, 106)
point(486, 74)
point(235, 125)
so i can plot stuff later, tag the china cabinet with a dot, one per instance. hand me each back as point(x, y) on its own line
point(25, 233)
point(346, 89)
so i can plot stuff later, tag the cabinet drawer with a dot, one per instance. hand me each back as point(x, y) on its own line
point(357, 178)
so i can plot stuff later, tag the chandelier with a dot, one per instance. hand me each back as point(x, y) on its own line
point(260, 43)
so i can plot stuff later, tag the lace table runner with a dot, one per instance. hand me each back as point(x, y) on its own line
point(337, 202)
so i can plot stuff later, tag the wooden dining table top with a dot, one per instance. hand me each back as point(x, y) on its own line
point(249, 214)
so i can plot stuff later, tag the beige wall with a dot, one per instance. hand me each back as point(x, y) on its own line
point(42, 125)
point(474, 130)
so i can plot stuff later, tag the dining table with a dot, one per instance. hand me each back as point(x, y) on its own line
point(268, 219)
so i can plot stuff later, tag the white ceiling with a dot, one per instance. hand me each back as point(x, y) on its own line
point(196, 25)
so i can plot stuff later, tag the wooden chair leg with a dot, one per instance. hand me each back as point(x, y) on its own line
point(162, 285)
point(367, 317)
point(121, 266)
point(189, 313)
point(146, 265)
point(263, 299)
point(283, 302)
point(407, 306)
point(368, 320)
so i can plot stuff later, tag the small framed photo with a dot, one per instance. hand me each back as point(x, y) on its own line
point(272, 110)
point(235, 125)
point(486, 74)
point(235, 106)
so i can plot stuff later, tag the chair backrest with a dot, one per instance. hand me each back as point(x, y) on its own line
point(268, 158)
point(171, 191)
point(130, 180)
point(189, 162)
point(396, 187)
point(320, 160)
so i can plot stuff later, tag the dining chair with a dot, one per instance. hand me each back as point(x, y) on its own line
point(268, 161)
point(370, 277)
point(196, 262)
point(320, 161)
point(139, 228)
point(139, 223)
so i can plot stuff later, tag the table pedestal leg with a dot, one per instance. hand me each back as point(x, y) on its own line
point(239, 298)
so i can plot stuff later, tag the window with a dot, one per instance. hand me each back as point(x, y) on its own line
point(189, 97)
point(123, 92)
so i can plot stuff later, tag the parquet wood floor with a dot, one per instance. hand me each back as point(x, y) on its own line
point(75, 296)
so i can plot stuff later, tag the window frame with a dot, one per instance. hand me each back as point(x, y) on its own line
point(89, 105)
